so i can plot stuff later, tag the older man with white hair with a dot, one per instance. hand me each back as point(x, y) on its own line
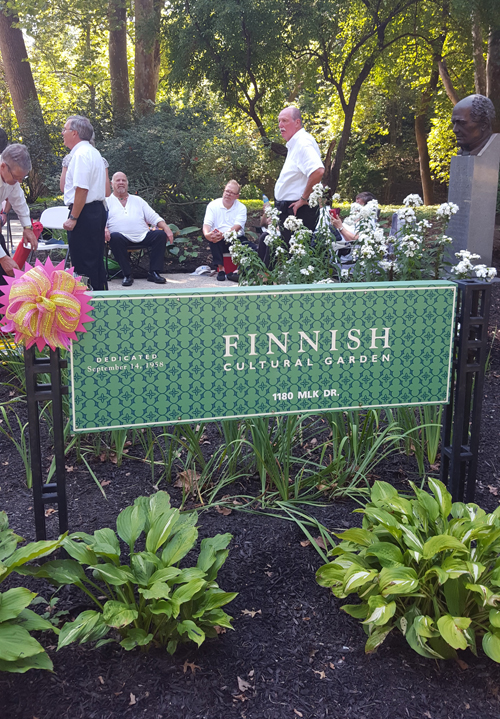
point(302, 170)
point(84, 193)
point(15, 163)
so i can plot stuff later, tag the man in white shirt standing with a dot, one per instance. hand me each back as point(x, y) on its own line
point(129, 221)
point(302, 170)
point(224, 214)
point(15, 163)
point(84, 193)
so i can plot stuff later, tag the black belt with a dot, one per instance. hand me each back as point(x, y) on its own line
point(283, 204)
point(95, 202)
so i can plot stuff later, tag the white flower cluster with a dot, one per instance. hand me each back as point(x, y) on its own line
point(410, 244)
point(413, 201)
point(370, 244)
point(407, 214)
point(307, 270)
point(273, 230)
point(361, 212)
point(486, 273)
point(445, 240)
point(296, 248)
point(292, 223)
point(326, 281)
point(463, 268)
point(446, 210)
point(335, 197)
point(230, 236)
point(389, 265)
point(272, 214)
point(316, 195)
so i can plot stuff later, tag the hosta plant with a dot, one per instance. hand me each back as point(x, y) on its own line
point(148, 600)
point(425, 565)
point(19, 651)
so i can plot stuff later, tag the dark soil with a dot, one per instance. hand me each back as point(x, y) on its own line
point(298, 654)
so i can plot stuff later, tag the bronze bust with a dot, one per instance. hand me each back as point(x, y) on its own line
point(472, 121)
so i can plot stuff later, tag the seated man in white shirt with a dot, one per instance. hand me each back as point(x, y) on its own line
point(224, 214)
point(129, 221)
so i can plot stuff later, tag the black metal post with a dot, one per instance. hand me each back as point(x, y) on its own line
point(51, 492)
point(462, 417)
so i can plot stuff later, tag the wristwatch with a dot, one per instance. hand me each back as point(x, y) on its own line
point(71, 217)
point(27, 227)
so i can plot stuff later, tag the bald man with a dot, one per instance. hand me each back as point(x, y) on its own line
point(302, 170)
point(129, 221)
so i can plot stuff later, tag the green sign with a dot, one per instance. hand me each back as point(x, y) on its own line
point(159, 357)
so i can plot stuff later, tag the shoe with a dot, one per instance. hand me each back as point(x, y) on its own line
point(221, 276)
point(155, 277)
point(233, 276)
point(127, 281)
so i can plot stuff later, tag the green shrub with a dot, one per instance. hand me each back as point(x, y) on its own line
point(149, 600)
point(425, 565)
point(19, 651)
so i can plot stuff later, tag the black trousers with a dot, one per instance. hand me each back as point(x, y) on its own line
point(219, 248)
point(155, 241)
point(86, 244)
point(2, 273)
point(308, 215)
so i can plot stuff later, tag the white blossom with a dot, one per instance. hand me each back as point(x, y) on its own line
point(446, 210)
point(484, 272)
point(317, 194)
point(412, 201)
point(292, 223)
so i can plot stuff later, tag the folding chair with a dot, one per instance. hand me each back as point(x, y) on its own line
point(53, 218)
point(136, 255)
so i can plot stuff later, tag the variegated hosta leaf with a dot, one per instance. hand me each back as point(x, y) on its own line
point(398, 580)
point(454, 567)
point(452, 630)
point(494, 617)
point(412, 539)
point(424, 626)
point(376, 638)
point(388, 554)
point(419, 644)
point(475, 570)
point(381, 491)
point(439, 572)
point(357, 535)
point(380, 516)
point(486, 594)
point(491, 646)
point(358, 611)
point(118, 614)
point(330, 575)
point(443, 497)
point(357, 577)
point(441, 543)
point(380, 611)
point(427, 502)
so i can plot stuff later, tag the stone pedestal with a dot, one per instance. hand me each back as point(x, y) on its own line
point(473, 187)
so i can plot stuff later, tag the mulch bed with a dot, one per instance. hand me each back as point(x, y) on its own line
point(292, 653)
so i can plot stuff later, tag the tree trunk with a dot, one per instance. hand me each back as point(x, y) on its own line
point(478, 55)
point(25, 100)
point(147, 54)
point(423, 159)
point(447, 82)
point(421, 137)
point(118, 66)
point(493, 74)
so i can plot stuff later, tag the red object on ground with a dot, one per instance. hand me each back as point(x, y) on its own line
point(229, 265)
point(22, 253)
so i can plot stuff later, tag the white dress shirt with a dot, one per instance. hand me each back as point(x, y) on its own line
point(302, 159)
point(218, 217)
point(86, 170)
point(132, 221)
point(15, 195)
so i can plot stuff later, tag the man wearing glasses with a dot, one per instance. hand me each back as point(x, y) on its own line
point(224, 214)
point(15, 163)
point(84, 193)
